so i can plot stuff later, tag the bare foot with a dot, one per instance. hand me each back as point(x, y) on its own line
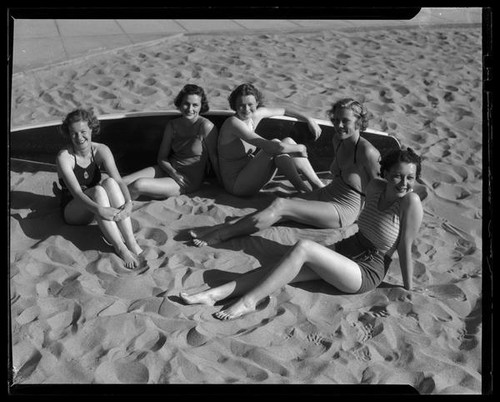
point(209, 239)
point(128, 258)
point(198, 298)
point(236, 310)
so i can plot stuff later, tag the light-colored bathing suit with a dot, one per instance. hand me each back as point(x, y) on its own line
point(373, 245)
point(233, 157)
point(189, 159)
point(345, 198)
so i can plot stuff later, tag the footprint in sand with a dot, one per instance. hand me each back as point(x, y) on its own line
point(156, 235)
point(362, 354)
point(106, 95)
point(401, 89)
point(445, 292)
point(150, 81)
point(319, 340)
point(122, 372)
point(378, 311)
point(146, 91)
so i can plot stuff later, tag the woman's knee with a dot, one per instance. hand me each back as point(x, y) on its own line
point(304, 246)
point(288, 140)
point(98, 194)
point(110, 184)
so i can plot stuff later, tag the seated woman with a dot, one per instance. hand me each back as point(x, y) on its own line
point(85, 196)
point(336, 205)
point(389, 221)
point(188, 143)
point(247, 161)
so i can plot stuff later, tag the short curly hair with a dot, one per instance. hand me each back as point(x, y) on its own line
point(80, 115)
point(357, 108)
point(245, 90)
point(191, 89)
point(395, 156)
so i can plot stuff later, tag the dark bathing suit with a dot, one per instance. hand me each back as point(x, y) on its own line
point(87, 177)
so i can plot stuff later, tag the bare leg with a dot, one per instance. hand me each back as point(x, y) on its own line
point(157, 188)
point(304, 166)
point(286, 165)
point(291, 167)
point(110, 229)
point(116, 200)
point(149, 172)
point(151, 182)
point(254, 175)
point(315, 213)
point(307, 260)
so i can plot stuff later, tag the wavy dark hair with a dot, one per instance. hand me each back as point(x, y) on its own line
point(357, 108)
point(191, 89)
point(393, 157)
point(245, 90)
point(80, 115)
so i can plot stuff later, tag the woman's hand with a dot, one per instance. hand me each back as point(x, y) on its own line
point(124, 211)
point(314, 128)
point(108, 213)
point(178, 178)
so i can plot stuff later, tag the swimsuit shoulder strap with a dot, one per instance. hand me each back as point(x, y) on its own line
point(356, 148)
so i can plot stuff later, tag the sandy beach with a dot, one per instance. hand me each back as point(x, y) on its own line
point(78, 317)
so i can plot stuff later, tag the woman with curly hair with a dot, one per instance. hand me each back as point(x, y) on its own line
point(248, 161)
point(188, 143)
point(336, 205)
point(389, 222)
point(85, 195)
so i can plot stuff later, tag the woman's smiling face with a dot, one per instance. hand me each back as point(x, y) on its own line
point(245, 106)
point(344, 121)
point(190, 106)
point(401, 178)
point(80, 134)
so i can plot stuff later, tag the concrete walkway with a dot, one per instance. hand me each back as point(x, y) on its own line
point(42, 42)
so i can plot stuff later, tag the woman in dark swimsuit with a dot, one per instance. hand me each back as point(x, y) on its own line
point(85, 195)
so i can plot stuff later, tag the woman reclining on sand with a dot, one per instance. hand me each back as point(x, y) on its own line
point(338, 204)
point(389, 221)
point(247, 161)
point(85, 196)
point(188, 143)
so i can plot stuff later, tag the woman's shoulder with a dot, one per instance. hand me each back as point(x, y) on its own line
point(412, 199)
point(206, 124)
point(101, 151)
point(64, 154)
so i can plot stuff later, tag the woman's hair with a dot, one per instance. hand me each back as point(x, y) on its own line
point(191, 89)
point(396, 156)
point(80, 115)
point(245, 90)
point(357, 108)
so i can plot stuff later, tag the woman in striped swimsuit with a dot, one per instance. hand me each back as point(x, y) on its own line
point(389, 221)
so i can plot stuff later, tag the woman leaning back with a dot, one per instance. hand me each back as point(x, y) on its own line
point(248, 161)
